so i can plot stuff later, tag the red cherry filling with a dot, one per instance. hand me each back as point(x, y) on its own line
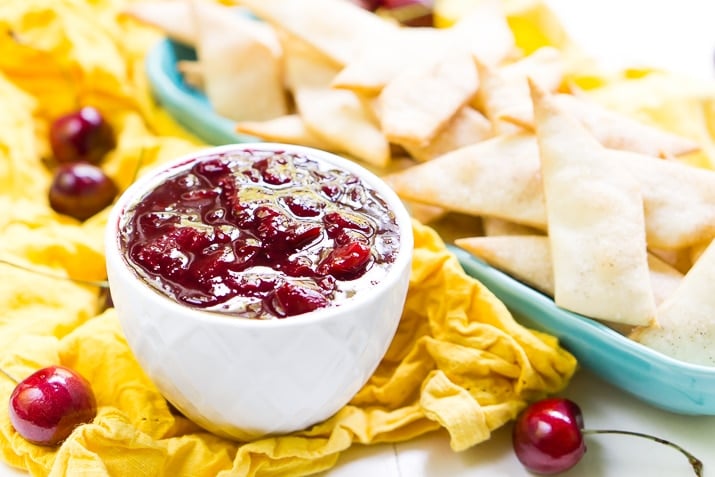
point(303, 205)
point(207, 231)
point(291, 300)
point(346, 262)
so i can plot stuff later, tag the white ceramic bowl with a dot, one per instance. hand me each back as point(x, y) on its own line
point(243, 378)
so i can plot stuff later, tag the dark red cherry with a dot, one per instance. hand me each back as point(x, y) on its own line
point(548, 437)
point(80, 190)
point(414, 13)
point(49, 404)
point(370, 5)
point(82, 135)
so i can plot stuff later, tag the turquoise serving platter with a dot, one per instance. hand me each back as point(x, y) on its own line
point(650, 376)
point(647, 374)
point(187, 105)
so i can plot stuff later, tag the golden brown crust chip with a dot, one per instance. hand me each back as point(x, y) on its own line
point(486, 33)
point(382, 56)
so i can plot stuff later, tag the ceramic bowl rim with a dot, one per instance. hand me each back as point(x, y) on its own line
point(391, 279)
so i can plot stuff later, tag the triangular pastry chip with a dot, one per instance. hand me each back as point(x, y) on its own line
point(596, 223)
point(615, 130)
point(495, 226)
point(467, 127)
point(679, 200)
point(498, 177)
point(337, 117)
point(486, 32)
point(288, 129)
point(527, 258)
point(382, 56)
point(337, 29)
point(226, 43)
point(686, 321)
point(618, 131)
point(422, 99)
point(504, 91)
point(663, 278)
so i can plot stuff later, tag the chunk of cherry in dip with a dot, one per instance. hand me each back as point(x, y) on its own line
point(259, 234)
point(548, 437)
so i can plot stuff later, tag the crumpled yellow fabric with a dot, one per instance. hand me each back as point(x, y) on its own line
point(459, 361)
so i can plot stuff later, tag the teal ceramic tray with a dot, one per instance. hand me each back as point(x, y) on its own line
point(651, 376)
point(187, 105)
point(648, 375)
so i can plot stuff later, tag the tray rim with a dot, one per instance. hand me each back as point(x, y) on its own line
point(651, 376)
point(182, 101)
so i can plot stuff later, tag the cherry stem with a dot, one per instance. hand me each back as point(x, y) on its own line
point(9, 376)
point(695, 463)
point(81, 281)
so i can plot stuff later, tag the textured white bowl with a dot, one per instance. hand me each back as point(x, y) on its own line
point(243, 378)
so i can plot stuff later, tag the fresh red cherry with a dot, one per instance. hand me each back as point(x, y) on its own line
point(548, 437)
point(80, 190)
point(49, 404)
point(82, 135)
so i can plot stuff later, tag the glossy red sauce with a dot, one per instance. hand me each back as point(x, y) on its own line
point(260, 235)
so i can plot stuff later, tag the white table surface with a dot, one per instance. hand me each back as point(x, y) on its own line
point(674, 34)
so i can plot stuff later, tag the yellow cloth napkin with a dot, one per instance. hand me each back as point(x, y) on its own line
point(459, 361)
